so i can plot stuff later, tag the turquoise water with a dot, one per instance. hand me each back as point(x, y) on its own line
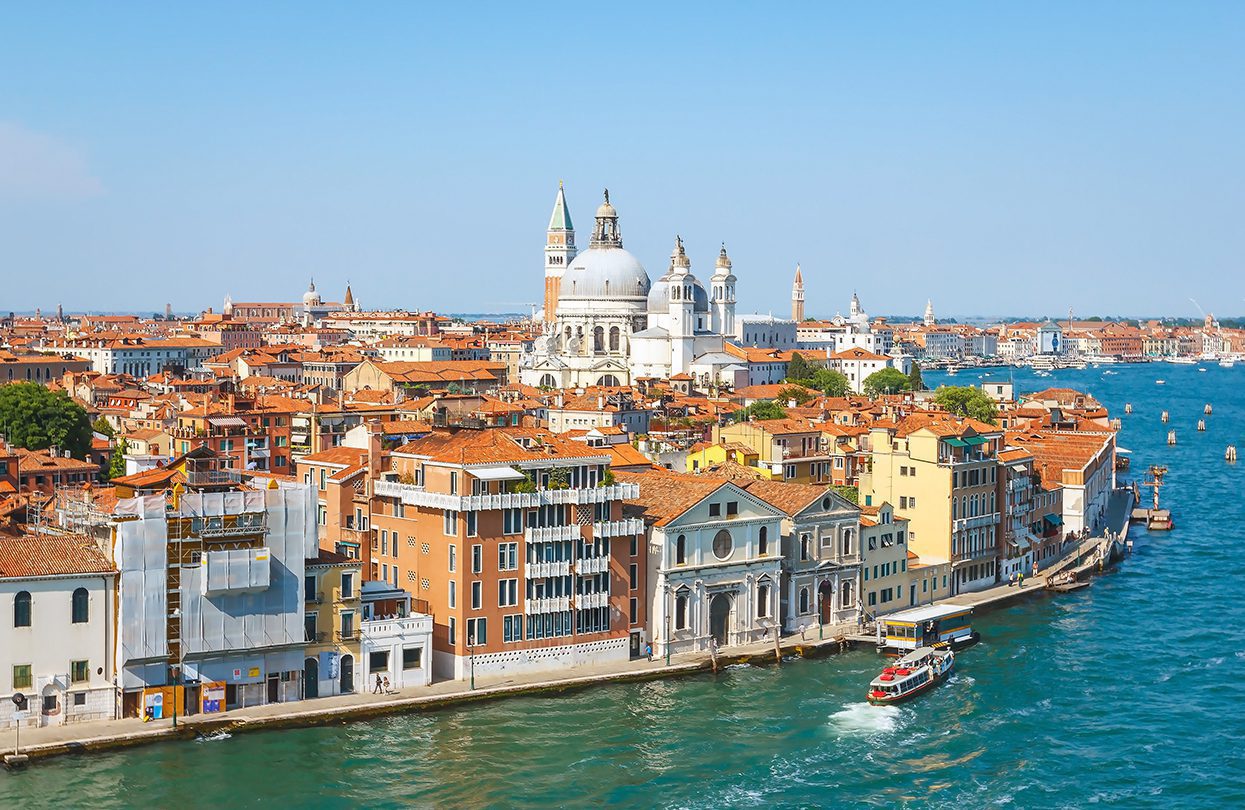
point(1128, 694)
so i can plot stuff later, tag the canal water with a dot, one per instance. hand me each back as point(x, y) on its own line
point(1127, 694)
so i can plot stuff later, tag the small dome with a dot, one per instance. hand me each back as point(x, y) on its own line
point(659, 295)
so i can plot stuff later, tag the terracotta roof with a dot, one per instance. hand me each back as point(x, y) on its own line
point(42, 555)
point(339, 456)
point(664, 496)
point(790, 498)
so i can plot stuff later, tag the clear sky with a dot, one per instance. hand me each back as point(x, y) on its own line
point(1001, 158)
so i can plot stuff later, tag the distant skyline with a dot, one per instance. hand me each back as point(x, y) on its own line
point(1001, 160)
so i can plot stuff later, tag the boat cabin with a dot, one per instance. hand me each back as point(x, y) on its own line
point(908, 630)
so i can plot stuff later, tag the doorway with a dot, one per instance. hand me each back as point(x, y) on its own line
point(634, 645)
point(825, 601)
point(311, 678)
point(347, 674)
point(274, 689)
point(719, 616)
point(912, 595)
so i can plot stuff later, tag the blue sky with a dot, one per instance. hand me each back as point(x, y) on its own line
point(998, 158)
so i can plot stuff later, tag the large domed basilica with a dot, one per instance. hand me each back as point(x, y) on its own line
point(606, 323)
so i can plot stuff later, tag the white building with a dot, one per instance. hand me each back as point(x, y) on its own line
point(714, 562)
point(766, 332)
point(56, 629)
point(610, 324)
point(394, 642)
point(857, 364)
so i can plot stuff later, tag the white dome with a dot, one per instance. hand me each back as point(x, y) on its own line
point(659, 295)
point(610, 273)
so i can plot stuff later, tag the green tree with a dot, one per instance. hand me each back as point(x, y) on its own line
point(795, 393)
point(851, 493)
point(101, 425)
point(830, 382)
point(887, 381)
point(763, 409)
point(914, 378)
point(798, 370)
point(116, 465)
point(967, 401)
point(36, 418)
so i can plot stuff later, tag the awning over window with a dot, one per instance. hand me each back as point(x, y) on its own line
point(976, 440)
point(496, 473)
point(956, 442)
point(1054, 520)
point(226, 421)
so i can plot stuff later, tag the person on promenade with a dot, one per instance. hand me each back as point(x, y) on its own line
point(648, 651)
point(388, 690)
point(1011, 580)
point(1020, 579)
point(376, 689)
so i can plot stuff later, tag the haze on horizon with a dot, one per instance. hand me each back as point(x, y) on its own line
point(999, 160)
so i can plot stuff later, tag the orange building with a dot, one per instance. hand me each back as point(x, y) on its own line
point(516, 540)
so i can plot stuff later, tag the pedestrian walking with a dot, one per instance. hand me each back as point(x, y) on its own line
point(648, 651)
point(388, 690)
point(1020, 579)
point(376, 689)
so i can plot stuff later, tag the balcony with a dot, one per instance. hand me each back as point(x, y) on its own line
point(592, 565)
point(962, 524)
point(315, 598)
point(552, 604)
point(626, 527)
point(354, 537)
point(586, 601)
point(351, 597)
point(315, 638)
point(551, 534)
point(549, 569)
point(245, 524)
point(204, 478)
point(413, 495)
point(346, 634)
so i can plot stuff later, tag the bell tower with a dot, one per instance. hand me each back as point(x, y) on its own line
point(797, 296)
point(722, 295)
point(559, 252)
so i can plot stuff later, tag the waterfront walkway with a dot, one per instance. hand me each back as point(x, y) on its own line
point(812, 641)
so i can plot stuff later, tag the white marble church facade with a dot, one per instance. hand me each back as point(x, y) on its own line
point(606, 323)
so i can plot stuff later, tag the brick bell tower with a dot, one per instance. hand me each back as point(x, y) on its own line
point(559, 252)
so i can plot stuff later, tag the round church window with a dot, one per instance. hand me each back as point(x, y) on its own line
point(723, 544)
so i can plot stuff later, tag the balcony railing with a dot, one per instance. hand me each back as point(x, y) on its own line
point(960, 524)
point(549, 569)
point(592, 565)
point(201, 478)
point(618, 528)
point(551, 534)
point(592, 600)
point(552, 604)
point(315, 638)
point(338, 596)
point(413, 495)
point(315, 598)
point(346, 635)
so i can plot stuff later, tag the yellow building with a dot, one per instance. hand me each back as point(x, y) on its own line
point(892, 576)
point(331, 618)
point(791, 450)
point(703, 456)
point(942, 474)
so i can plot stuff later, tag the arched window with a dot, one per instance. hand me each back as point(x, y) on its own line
point(763, 541)
point(598, 339)
point(804, 600)
point(21, 609)
point(723, 544)
point(847, 542)
point(81, 606)
point(845, 593)
point(680, 549)
point(680, 612)
point(548, 381)
point(615, 338)
point(804, 549)
point(762, 600)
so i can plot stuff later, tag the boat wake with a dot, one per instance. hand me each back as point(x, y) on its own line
point(861, 718)
point(214, 736)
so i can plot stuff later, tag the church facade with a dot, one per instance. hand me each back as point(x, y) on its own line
point(606, 323)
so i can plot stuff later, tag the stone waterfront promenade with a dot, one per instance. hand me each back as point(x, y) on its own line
point(814, 641)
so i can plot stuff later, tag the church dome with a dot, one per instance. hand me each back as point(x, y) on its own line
point(311, 298)
point(659, 295)
point(610, 273)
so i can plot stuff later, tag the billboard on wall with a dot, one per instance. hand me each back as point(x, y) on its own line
point(213, 697)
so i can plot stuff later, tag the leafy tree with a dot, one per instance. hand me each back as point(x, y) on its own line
point(116, 466)
point(851, 493)
point(795, 393)
point(967, 401)
point(36, 418)
point(798, 369)
point(914, 377)
point(101, 425)
point(764, 409)
point(830, 382)
point(887, 381)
